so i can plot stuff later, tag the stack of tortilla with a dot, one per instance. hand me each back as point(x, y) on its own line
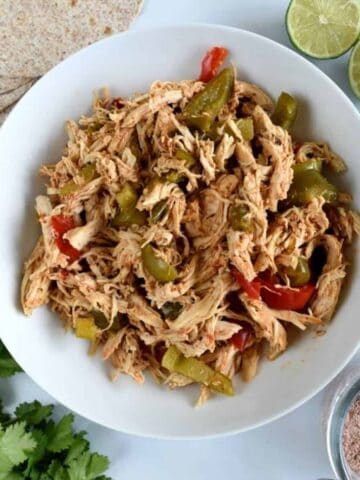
point(35, 35)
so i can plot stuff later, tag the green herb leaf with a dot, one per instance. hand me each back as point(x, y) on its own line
point(5, 466)
point(56, 471)
point(88, 466)
point(33, 413)
point(78, 446)
point(61, 434)
point(39, 452)
point(8, 366)
point(34, 447)
point(14, 476)
point(15, 445)
point(97, 465)
point(35, 474)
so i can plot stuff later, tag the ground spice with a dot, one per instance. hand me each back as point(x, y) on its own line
point(351, 436)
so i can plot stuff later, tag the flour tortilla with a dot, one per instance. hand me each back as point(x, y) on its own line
point(4, 114)
point(8, 99)
point(8, 84)
point(37, 34)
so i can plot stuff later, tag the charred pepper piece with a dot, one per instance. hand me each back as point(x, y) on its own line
point(174, 361)
point(285, 111)
point(204, 107)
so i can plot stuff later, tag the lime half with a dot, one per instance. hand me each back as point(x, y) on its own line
point(354, 70)
point(323, 28)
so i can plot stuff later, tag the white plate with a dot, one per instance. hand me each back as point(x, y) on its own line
point(33, 134)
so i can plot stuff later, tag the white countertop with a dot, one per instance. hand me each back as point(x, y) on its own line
point(291, 448)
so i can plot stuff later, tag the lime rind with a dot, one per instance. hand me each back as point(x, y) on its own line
point(323, 30)
point(354, 70)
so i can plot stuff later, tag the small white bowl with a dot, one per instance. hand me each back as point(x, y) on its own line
point(34, 134)
point(338, 399)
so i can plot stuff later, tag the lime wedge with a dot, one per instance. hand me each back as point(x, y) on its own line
point(354, 70)
point(323, 28)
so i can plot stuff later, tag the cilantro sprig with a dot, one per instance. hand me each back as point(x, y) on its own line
point(34, 447)
point(8, 366)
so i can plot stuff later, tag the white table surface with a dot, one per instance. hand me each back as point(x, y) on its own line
point(291, 448)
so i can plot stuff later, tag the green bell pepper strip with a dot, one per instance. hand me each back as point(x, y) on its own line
point(176, 177)
point(102, 322)
point(187, 156)
point(204, 107)
point(128, 214)
point(301, 275)
point(309, 184)
point(158, 211)
point(174, 361)
point(87, 173)
point(238, 219)
point(246, 127)
point(156, 266)
point(127, 196)
point(312, 164)
point(285, 111)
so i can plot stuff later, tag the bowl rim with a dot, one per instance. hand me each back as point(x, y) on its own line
point(186, 26)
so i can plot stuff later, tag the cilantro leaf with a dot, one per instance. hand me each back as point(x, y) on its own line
point(34, 474)
point(14, 476)
point(34, 447)
point(97, 465)
point(33, 413)
point(78, 446)
point(5, 466)
point(8, 365)
point(15, 445)
point(39, 452)
point(61, 434)
point(77, 468)
point(56, 471)
point(88, 466)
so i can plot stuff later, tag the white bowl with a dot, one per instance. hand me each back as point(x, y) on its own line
point(34, 134)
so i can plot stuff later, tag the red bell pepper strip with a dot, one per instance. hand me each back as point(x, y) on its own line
point(62, 224)
point(279, 298)
point(283, 298)
point(251, 288)
point(211, 63)
point(241, 339)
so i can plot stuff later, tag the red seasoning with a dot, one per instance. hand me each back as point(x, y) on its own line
point(351, 436)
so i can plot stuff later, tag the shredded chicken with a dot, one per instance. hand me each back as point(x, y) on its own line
point(278, 154)
point(289, 232)
point(249, 362)
point(36, 281)
point(330, 281)
point(266, 325)
point(240, 247)
point(148, 221)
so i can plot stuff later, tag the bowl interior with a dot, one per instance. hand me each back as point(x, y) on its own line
point(34, 134)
